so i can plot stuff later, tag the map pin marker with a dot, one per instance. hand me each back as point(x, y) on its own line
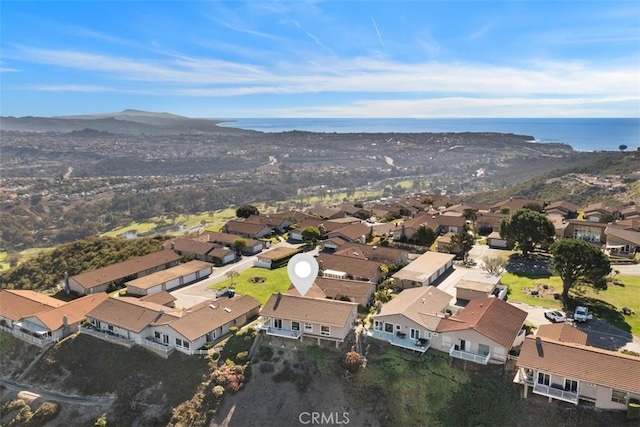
point(302, 270)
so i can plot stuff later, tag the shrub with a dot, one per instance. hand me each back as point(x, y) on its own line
point(218, 391)
point(352, 361)
point(231, 377)
point(233, 330)
point(630, 352)
point(46, 412)
point(242, 356)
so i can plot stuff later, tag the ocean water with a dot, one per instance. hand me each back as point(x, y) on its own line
point(582, 134)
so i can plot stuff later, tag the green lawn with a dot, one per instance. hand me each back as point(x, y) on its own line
point(276, 281)
point(24, 255)
point(605, 304)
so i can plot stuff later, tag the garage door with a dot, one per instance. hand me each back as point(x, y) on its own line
point(189, 278)
point(154, 290)
point(172, 284)
point(204, 272)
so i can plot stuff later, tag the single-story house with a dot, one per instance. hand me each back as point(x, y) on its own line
point(574, 372)
point(161, 298)
point(629, 212)
point(488, 222)
point(410, 319)
point(495, 241)
point(169, 279)
point(478, 284)
point(296, 233)
point(450, 223)
point(596, 212)
point(622, 243)
point(62, 321)
point(563, 208)
point(381, 254)
point(247, 229)
point(444, 244)
point(486, 329)
point(408, 228)
point(276, 257)
point(323, 212)
point(341, 267)
point(278, 223)
point(515, 203)
point(206, 322)
point(99, 280)
point(16, 304)
point(291, 217)
point(352, 233)
point(464, 206)
point(592, 232)
point(424, 270)
point(198, 249)
point(346, 290)
point(333, 245)
point(320, 320)
point(225, 239)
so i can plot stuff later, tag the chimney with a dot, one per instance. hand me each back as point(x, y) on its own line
point(66, 283)
point(173, 245)
point(65, 323)
point(539, 347)
point(278, 298)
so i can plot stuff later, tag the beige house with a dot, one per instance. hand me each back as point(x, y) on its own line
point(477, 284)
point(410, 320)
point(292, 317)
point(622, 243)
point(169, 279)
point(574, 373)
point(275, 258)
point(100, 279)
point(342, 267)
point(424, 270)
point(486, 329)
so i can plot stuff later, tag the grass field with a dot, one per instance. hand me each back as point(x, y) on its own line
point(22, 256)
point(604, 303)
point(276, 281)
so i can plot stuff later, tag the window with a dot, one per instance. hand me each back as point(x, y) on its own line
point(165, 338)
point(398, 327)
point(324, 330)
point(483, 349)
point(544, 378)
point(157, 335)
point(295, 326)
point(178, 342)
point(277, 323)
point(571, 385)
point(414, 334)
point(377, 325)
point(308, 327)
point(618, 396)
point(427, 334)
point(446, 341)
point(388, 327)
point(185, 344)
point(110, 327)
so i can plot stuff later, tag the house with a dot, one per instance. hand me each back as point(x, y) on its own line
point(410, 319)
point(514, 203)
point(495, 241)
point(340, 267)
point(380, 254)
point(563, 332)
point(464, 206)
point(296, 233)
point(629, 224)
point(201, 250)
point(333, 245)
point(61, 321)
point(630, 212)
point(486, 329)
point(601, 212)
point(424, 270)
point(220, 256)
point(444, 244)
point(228, 240)
point(127, 321)
point(574, 372)
point(276, 222)
point(477, 284)
point(323, 212)
point(408, 229)
point(352, 233)
point(622, 243)
point(275, 257)
point(292, 317)
point(346, 290)
point(206, 322)
point(450, 223)
point(592, 232)
point(247, 229)
point(563, 208)
point(488, 222)
point(114, 275)
point(16, 304)
point(169, 279)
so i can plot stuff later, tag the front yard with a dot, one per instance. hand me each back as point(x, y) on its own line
point(605, 304)
point(274, 281)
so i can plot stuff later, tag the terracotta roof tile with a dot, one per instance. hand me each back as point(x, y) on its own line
point(16, 304)
point(352, 266)
point(563, 332)
point(127, 314)
point(75, 311)
point(424, 305)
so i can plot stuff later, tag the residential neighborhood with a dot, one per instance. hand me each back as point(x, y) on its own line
point(373, 283)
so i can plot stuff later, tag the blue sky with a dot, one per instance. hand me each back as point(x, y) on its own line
point(322, 58)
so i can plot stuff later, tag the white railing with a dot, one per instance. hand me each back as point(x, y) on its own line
point(284, 333)
point(156, 346)
point(107, 337)
point(40, 342)
point(556, 393)
point(394, 339)
point(464, 355)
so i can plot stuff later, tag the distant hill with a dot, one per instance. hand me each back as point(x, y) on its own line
point(123, 122)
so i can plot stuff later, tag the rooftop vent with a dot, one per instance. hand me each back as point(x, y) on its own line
point(227, 309)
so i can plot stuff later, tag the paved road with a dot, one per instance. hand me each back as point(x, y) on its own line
point(191, 295)
point(56, 396)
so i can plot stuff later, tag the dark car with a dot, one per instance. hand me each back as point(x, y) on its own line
point(226, 292)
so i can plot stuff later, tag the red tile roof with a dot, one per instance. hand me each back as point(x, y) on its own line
point(563, 332)
point(16, 304)
point(320, 311)
point(491, 317)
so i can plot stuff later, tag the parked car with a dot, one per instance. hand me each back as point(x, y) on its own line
point(582, 314)
point(226, 292)
point(555, 316)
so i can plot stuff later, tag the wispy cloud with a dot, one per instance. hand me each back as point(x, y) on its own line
point(481, 32)
point(375, 27)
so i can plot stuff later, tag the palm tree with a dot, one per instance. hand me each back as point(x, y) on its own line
point(230, 275)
